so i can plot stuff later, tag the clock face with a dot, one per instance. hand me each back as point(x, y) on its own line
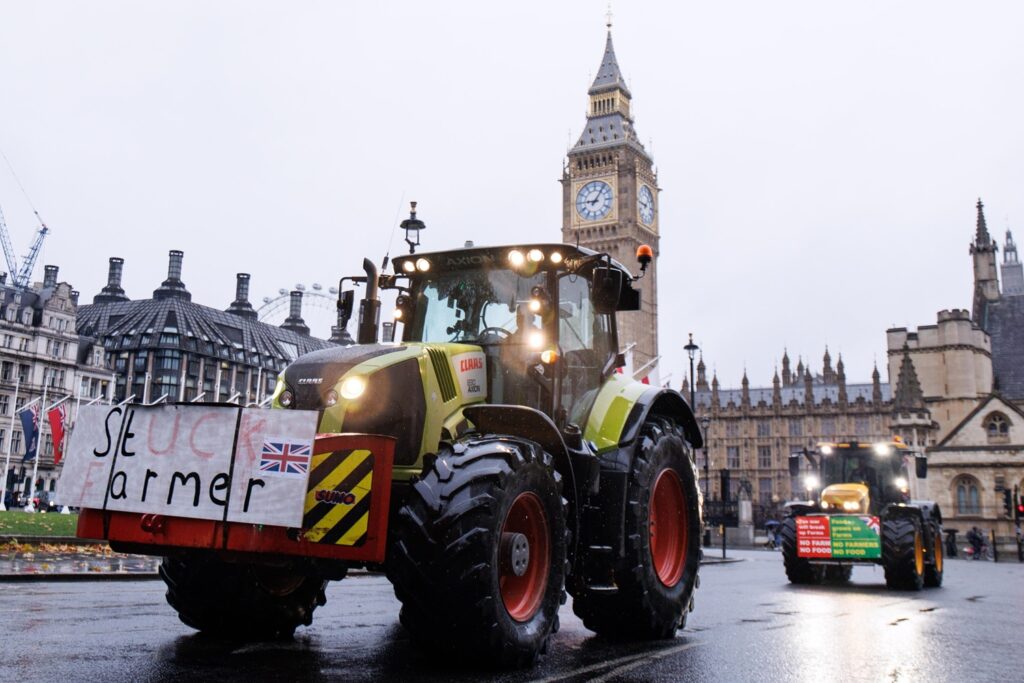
point(594, 200)
point(645, 204)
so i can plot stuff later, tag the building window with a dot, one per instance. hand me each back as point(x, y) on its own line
point(15, 441)
point(828, 426)
point(764, 457)
point(862, 426)
point(764, 428)
point(732, 457)
point(796, 426)
point(764, 493)
point(5, 401)
point(732, 428)
point(997, 428)
point(968, 498)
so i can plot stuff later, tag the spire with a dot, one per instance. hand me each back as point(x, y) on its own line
point(1012, 268)
point(827, 374)
point(909, 396)
point(876, 385)
point(808, 390)
point(841, 380)
point(685, 390)
point(799, 369)
point(745, 391)
point(715, 400)
point(776, 389)
point(981, 237)
point(702, 377)
point(609, 77)
point(787, 376)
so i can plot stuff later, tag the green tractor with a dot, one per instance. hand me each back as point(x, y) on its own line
point(860, 512)
point(520, 465)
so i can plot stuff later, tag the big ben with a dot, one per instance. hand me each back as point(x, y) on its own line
point(610, 201)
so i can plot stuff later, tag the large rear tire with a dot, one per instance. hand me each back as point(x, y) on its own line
point(933, 568)
point(479, 556)
point(798, 569)
point(240, 601)
point(903, 553)
point(657, 577)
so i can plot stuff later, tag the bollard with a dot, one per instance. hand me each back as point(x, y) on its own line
point(995, 549)
point(723, 541)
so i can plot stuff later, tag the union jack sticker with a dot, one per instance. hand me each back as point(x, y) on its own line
point(285, 459)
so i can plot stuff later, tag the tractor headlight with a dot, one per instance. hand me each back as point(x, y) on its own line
point(353, 387)
point(535, 255)
point(286, 398)
point(882, 449)
point(824, 505)
point(409, 266)
point(901, 484)
point(535, 339)
point(422, 265)
point(331, 398)
point(851, 505)
point(516, 258)
point(556, 257)
point(811, 482)
point(826, 450)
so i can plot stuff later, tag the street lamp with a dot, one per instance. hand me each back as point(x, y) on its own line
point(691, 351)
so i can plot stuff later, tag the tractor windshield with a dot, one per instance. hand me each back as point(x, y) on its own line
point(862, 465)
point(475, 306)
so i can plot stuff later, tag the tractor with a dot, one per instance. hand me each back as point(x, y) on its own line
point(489, 462)
point(860, 512)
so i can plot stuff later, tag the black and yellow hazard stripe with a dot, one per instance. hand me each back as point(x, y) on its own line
point(339, 522)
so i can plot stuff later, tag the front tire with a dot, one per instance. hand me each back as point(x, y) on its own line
point(480, 552)
point(933, 570)
point(240, 601)
point(903, 553)
point(798, 569)
point(657, 577)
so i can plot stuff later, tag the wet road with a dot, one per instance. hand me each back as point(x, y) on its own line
point(749, 625)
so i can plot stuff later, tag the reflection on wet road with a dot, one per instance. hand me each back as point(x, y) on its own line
point(749, 625)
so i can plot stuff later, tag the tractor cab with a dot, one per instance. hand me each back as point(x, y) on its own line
point(543, 314)
point(858, 478)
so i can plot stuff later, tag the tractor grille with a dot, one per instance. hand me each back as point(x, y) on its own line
point(443, 372)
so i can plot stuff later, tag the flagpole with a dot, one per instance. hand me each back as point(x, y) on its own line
point(10, 443)
point(39, 445)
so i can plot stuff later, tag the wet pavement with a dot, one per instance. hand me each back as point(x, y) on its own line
point(749, 625)
point(64, 560)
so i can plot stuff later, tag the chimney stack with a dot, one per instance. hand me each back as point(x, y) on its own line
point(50, 276)
point(241, 306)
point(339, 333)
point(173, 287)
point(112, 292)
point(294, 321)
point(74, 296)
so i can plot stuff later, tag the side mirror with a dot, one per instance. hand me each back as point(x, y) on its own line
point(606, 285)
point(921, 465)
point(346, 301)
point(794, 464)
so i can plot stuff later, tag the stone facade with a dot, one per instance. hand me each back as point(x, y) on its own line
point(610, 201)
point(971, 371)
point(752, 431)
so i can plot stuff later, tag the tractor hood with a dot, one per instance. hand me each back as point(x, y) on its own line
point(850, 498)
point(413, 392)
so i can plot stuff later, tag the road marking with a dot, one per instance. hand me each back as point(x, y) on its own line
point(621, 664)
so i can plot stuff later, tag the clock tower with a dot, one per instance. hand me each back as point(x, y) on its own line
point(610, 200)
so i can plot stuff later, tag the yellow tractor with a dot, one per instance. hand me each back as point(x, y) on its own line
point(860, 512)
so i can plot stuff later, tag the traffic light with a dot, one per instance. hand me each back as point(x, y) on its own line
point(1008, 501)
point(1018, 510)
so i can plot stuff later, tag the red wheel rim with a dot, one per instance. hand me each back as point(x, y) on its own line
point(668, 528)
point(522, 595)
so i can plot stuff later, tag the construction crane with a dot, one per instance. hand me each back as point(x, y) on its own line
point(21, 278)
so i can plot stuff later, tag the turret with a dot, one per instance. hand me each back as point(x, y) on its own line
point(173, 287)
point(983, 253)
point(112, 292)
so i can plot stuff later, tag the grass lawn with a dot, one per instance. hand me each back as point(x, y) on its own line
point(16, 522)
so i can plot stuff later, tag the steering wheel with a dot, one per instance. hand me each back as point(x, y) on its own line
point(499, 332)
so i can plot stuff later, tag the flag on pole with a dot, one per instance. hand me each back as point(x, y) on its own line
point(30, 426)
point(57, 417)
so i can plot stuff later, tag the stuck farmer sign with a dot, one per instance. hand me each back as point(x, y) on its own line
point(840, 537)
point(220, 463)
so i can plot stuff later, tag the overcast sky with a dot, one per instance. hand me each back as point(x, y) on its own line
point(819, 162)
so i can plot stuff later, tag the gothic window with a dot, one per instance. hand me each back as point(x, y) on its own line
point(764, 428)
point(732, 454)
point(862, 425)
point(732, 428)
point(828, 426)
point(764, 457)
point(764, 493)
point(997, 428)
point(796, 426)
point(968, 497)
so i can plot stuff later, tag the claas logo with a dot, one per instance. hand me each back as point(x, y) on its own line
point(335, 497)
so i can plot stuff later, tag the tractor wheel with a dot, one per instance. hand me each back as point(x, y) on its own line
point(245, 601)
point(838, 573)
point(903, 553)
point(933, 570)
point(479, 556)
point(656, 579)
point(798, 569)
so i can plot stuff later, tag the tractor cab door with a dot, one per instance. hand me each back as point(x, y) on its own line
point(587, 342)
